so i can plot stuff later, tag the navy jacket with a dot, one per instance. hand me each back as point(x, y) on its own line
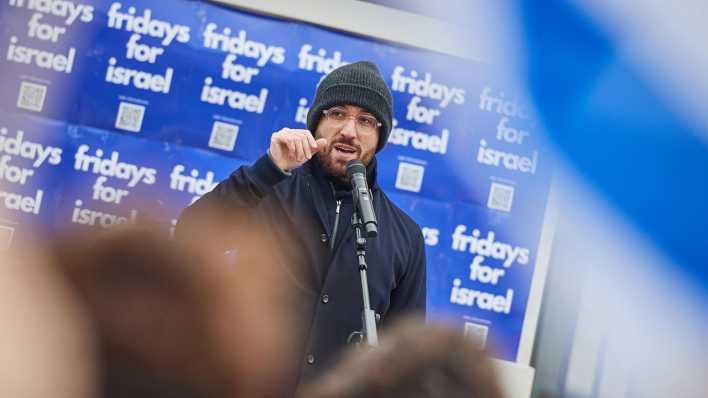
point(298, 213)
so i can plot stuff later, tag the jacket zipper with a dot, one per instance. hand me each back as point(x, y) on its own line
point(336, 224)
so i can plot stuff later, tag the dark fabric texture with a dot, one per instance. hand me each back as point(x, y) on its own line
point(357, 84)
point(297, 211)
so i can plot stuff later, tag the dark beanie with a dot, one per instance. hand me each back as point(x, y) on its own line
point(357, 84)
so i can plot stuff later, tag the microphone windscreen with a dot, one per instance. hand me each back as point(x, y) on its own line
point(355, 166)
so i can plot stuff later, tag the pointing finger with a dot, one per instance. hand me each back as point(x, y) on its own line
point(300, 150)
point(306, 148)
point(311, 141)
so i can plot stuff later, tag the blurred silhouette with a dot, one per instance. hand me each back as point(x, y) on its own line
point(171, 321)
point(414, 361)
point(45, 340)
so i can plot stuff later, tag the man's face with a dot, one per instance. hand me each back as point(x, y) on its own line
point(348, 139)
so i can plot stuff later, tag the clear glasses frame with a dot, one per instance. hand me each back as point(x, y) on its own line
point(364, 123)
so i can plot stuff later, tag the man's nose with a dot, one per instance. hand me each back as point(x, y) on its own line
point(349, 128)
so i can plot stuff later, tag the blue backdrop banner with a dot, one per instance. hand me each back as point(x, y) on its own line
point(116, 110)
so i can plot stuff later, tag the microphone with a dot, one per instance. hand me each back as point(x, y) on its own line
point(362, 196)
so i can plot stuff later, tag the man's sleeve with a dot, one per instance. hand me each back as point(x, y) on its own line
point(410, 294)
point(232, 201)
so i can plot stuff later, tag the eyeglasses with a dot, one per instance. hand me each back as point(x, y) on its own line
point(364, 123)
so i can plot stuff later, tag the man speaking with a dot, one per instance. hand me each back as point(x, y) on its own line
point(299, 195)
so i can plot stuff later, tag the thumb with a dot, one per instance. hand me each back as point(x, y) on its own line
point(321, 144)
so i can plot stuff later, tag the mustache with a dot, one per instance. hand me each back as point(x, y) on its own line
point(345, 142)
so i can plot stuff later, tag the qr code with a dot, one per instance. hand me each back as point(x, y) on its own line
point(6, 234)
point(223, 136)
point(31, 96)
point(477, 334)
point(500, 197)
point(409, 177)
point(130, 117)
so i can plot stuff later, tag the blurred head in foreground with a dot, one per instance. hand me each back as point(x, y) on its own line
point(171, 321)
point(45, 341)
point(414, 360)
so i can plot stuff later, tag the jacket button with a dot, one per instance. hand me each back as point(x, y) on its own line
point(323, 238)
point(310, 359)
point(325, 298)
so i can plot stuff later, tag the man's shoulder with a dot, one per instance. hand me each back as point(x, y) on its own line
point(400, 216)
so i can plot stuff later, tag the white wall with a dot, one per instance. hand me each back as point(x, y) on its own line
point(389, 24)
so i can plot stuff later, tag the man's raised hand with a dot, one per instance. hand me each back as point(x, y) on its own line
point(291, 148)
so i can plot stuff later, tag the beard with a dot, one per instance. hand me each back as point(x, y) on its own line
point(336, 166)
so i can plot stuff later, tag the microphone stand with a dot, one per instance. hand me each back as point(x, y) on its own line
point(369, 316)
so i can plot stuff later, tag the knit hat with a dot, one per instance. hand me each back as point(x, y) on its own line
point(357, 84)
